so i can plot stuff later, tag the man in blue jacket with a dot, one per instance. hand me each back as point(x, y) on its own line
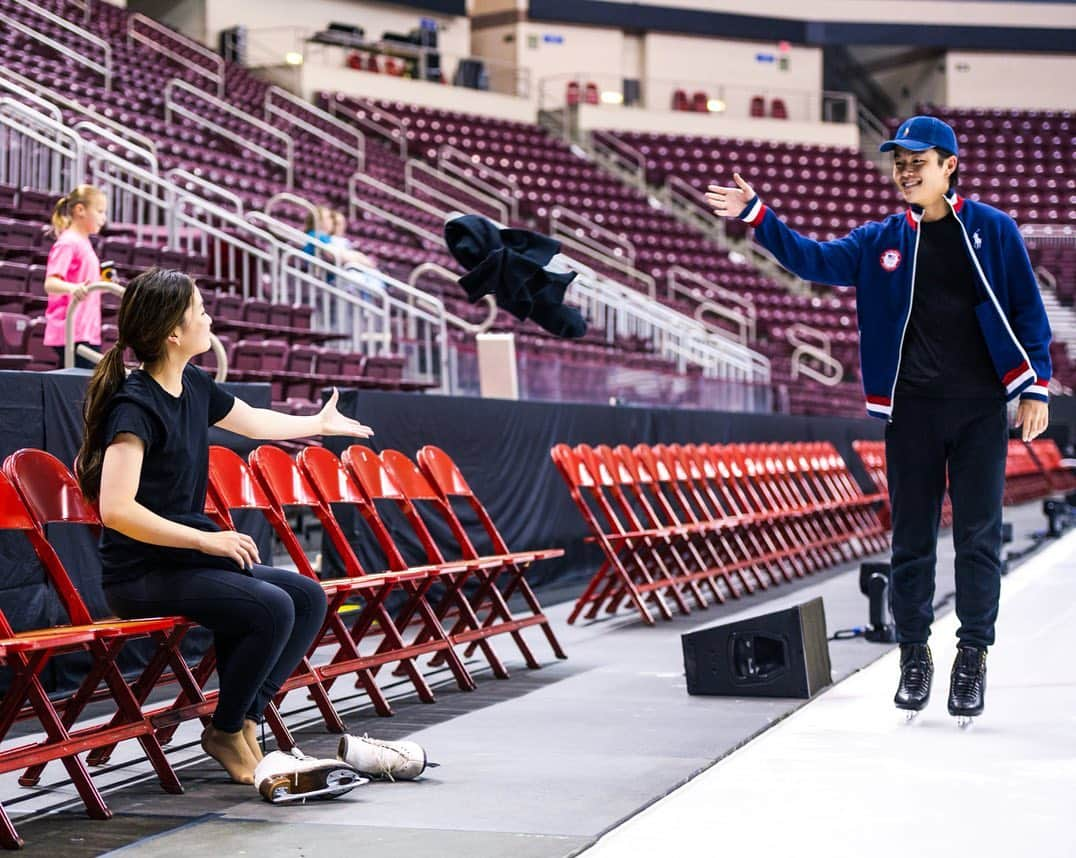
point(951, 326)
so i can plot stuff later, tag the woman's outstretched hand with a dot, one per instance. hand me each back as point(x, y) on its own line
point(335, 423)
point(730, 202)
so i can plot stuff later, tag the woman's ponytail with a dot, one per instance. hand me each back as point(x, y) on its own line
point(107, 378)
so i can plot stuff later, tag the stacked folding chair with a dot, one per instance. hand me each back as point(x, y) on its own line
point(872, 454)
point(679, 526)
point(1025, 478)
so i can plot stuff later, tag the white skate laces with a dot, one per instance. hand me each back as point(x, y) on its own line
point(393, 761)
point(293, 776)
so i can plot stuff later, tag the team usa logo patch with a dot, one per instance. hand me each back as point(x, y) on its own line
point(890, 260)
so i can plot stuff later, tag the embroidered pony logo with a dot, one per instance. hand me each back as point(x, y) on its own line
point(891, 259)
point(977, 240)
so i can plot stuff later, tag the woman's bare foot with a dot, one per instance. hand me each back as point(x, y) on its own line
point(231, 751)
point(250, 735)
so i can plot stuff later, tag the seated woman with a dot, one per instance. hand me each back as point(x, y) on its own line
point(145, 458)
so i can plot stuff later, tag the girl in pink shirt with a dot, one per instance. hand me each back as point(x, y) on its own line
point(72, 266)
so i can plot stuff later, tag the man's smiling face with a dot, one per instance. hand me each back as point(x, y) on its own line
point(922, 177)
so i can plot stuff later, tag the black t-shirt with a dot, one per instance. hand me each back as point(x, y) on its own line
point(945, 354)
point(175, 467)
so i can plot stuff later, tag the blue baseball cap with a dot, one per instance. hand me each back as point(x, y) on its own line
point(923, 132)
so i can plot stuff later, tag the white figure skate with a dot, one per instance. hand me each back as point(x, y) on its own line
point(393, 761)
point(286, 777)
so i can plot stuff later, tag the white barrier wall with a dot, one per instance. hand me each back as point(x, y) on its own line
point(715, 125)
point(936, 12)
point(1033, 81)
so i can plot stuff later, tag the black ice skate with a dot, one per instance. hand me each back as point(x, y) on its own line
point(967, 684)
point(916, 673)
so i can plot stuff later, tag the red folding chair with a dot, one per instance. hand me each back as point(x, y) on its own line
point(333, 484)
point(51, 494)
point(671, 474)
point(626, 570)
point(493, 571)
point(754, 527)
point(377, 483)
point(1046, 451)
point(750, 569)
point(26, 654)
point(286, 487)
point(669, 554)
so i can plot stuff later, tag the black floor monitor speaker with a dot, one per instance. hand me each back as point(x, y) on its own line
point(783, 654)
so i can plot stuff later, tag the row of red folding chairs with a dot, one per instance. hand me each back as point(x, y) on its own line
point(472, 606)
point(1032, 471)
point(686, 524)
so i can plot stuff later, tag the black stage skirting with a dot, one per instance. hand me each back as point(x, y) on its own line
point(502, 447)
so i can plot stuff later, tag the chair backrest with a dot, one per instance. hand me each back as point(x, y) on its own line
point(449, 481)
point(232, 482)
point(416, 486)
point(333, 484)
point(13, 513)
point(758, 106)
point(50, 493)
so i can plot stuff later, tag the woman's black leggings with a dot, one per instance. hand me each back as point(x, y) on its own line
point(262, 624)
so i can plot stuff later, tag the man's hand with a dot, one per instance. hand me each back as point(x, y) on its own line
point(730, 202)
point(1034, 416)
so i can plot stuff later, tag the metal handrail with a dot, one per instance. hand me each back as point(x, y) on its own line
point(357, 202)
point(359, 150)
point(94, 355)
point(602, 258)
point(746, 317)
point(411, 183)
point(16, 89)
point(449, 158)
point(453, 278)
point(385, 130)
point(103, 69)
point(129, 146)
point(171, 106)
point(215, 75)
point(814, 343)
point(583, 226)
point(625, 156)
point(289, 197)
point(50, 98)
point(33, 125)
point(178, 174)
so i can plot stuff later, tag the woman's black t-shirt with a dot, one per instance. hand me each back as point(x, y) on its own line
point(175, 467)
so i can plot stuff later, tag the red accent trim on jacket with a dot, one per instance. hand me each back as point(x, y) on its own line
point(1013, 373)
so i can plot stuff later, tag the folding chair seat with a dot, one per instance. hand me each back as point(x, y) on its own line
point(285, 487)
point(333, 484)
point(377, 483)
point(51, 494)
point(450, 484)
point(623, 567)
point(1046, 451)
point(419, 492)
